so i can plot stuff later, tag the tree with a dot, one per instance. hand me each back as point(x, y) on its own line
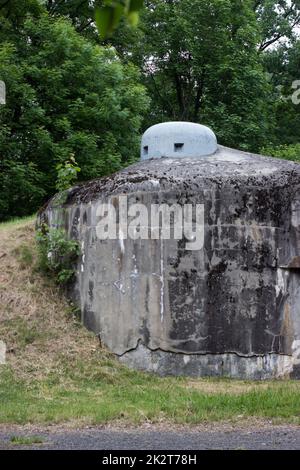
point(200, 63)
point(277, 20)
point(283, 65)
point(65, 96)
point(280, 53)
point(14, 11)
point(80, 12)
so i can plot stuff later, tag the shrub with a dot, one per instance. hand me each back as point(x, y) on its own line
point(287, 152)
point(57, 254)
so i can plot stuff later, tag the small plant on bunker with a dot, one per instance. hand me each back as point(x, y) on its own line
point(67, 173)
point(57, 254)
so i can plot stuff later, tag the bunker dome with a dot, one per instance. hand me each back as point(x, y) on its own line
point(178, 139)
point(220, 301)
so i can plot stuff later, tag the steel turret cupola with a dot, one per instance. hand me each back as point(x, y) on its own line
point(178, 140)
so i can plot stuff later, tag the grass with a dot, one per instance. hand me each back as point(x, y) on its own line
point(17, 221)
point(56, 371)
point(27, 441)
point(136, 398)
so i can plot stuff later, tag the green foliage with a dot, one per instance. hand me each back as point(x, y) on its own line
point(283, 65)
point(201, 64)
point(21, 184)
point(286, 152)
point(66, 174)
point(108, 16)
point(57, 254)
point(80, 12)
point(65, 95)
point(279, 23)
point(277, 20)
point(15, 11)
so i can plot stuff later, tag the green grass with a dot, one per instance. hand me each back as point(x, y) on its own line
point(25, 255)
point(112, 392)
point(25, 333)
point(17, 221)
point(26, 440)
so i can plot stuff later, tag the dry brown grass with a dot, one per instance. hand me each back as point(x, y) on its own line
point(35, 318)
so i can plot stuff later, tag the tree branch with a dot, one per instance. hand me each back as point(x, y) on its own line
point(198, 97)
point(164, 102)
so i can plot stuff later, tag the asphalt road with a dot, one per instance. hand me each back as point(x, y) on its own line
point(101, 438)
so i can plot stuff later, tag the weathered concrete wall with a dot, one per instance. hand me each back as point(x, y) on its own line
point(232, 308)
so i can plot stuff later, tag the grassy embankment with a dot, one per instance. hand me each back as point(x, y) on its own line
point(56, 371)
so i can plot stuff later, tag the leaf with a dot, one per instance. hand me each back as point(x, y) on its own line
point(107, 19)
point(133, 18)
point(103, 18)
point(118, 11)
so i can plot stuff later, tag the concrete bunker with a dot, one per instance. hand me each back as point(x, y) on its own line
point(229, 308)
